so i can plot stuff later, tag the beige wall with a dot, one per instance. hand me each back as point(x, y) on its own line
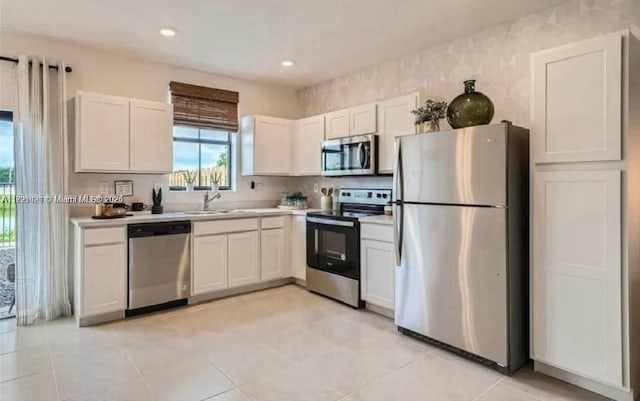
point(111, 73)
point(497, 57)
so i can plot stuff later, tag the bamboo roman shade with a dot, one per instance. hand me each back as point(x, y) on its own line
point(204, 107)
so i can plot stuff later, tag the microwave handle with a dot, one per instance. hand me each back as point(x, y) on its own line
point(367, 157)
point(361, 155)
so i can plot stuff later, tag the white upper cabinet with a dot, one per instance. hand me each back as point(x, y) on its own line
point(101, 133)
point(115, 134)
point(337, 124)
point(151, 137)
point(266, 145)
point(362, 119)
point(576, 105)
point(577, 273)
point(359, 120)
point(394, 119)
point(307, 137)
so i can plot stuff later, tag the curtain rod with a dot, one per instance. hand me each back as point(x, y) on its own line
point(15, 60)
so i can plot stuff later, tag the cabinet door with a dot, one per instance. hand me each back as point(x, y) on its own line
point(577, 311)
point(307, 145)
point(102, 133)
point(299, 247)
point(104, 279)
point(576, 105)
point(337, 124)
point(271, 139)
point(378, 275)
point(272, 258)
point(394, 119)
point(209, 264)
point(243, 259)
point(151, 137)
point(362, 119)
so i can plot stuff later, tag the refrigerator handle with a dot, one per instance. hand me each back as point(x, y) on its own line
point(398, 217)
point(398, 214)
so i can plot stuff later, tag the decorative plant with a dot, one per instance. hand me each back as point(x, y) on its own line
point(433, 110)
point(157, 197)
point(216, 177)
point(189, 176)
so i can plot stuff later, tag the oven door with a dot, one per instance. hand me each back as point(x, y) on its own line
point(334, 246)
point(354, 155)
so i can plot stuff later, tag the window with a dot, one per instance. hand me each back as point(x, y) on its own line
point(205, 120)
point(201, 157)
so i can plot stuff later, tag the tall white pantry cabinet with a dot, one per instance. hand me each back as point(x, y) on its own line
point(585, 214)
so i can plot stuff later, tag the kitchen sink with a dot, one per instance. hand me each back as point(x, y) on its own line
point(215, 212)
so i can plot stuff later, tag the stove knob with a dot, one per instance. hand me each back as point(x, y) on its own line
point(370, 195)
point(384, 196)
point(379, 196)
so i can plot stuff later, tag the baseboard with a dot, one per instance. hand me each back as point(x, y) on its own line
point(300, 282)
point(380, 310)
point(614, 393)
point(102, 318)
point(229, 292)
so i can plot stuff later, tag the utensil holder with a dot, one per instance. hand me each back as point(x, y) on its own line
point(326, 203)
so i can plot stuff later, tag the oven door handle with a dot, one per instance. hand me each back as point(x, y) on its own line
point(330, 222)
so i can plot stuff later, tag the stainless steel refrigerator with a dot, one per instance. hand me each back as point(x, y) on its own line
point(461, 223)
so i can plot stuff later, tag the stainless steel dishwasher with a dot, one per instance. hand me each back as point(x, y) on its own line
point(159, 265)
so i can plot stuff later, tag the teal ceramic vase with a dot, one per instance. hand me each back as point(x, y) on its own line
point(470, 108)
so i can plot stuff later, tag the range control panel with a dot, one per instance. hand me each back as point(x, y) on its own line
point(365, 196)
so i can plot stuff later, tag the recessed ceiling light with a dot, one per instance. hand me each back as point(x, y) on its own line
point(168, 32)
point(288, 63)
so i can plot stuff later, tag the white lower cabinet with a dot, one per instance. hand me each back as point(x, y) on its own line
point(100, 272)
point(104, 279)
point(209, 263)
point(577, 275)
point(377, 275)
point(243, 264)
point(272, 257)
point(299, 247)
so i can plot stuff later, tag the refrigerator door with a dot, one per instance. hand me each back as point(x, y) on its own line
point(451, 284)
point(465, 166)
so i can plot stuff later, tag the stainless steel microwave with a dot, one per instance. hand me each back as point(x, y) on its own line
point(353, 155)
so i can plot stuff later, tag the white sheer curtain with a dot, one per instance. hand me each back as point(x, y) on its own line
point(41, 169)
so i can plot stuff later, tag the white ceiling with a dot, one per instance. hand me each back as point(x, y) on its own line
point(249, 38)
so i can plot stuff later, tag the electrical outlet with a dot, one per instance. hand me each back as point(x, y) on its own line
point(258, 186)
point(315, 188)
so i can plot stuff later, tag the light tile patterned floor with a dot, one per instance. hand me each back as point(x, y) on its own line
point(275, 345)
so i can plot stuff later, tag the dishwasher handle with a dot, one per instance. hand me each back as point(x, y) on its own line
point(155, 229)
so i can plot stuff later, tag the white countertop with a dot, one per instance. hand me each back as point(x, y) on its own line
point(378, 219)
point(147, 217)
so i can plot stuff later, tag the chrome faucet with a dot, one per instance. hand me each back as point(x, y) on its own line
point(208, 199)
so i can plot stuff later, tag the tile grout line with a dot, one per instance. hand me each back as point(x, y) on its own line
point(522, 392)
point(488, 389)
point(130, 359)
point(53, 371)
point(235, 385)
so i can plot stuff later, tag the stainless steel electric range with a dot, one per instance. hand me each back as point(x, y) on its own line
point(333, 244)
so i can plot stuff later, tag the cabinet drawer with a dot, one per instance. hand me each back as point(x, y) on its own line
point(272, 222)
point(377, 232)
point(224, 226)
point(111, 235)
